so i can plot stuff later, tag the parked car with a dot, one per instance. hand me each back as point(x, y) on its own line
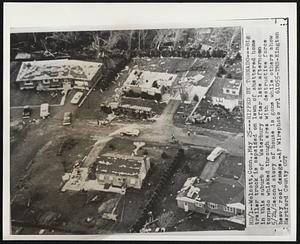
point(76, 98)
point(44, 112)
point(26, 112)
point(67, 118)
point(129, 132)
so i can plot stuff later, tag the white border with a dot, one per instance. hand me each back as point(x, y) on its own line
point(78, 16)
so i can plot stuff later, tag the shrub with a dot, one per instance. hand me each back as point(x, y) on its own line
point(164, 155)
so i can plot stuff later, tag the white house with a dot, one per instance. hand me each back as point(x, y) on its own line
point(146, 82)
point(226, 92)
point(53, 74)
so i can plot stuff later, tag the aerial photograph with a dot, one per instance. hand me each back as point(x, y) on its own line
point(126, 131)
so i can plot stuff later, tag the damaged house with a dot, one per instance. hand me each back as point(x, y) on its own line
point(223, 196)
point(146, 84)
point(226, 92)
point(219, 189)
point(115, 172)
point(46, 75)
point(131, 110)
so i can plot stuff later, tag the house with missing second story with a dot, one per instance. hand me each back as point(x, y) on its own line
point(147, 84)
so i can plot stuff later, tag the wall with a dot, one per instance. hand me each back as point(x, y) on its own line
point(118, 180)
point(218, 210)
point(227, 103)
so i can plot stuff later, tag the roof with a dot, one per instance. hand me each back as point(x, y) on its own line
point(146, 79)
point(216, 90)
point(222, 191)
point(121, 165)
point(57, 69)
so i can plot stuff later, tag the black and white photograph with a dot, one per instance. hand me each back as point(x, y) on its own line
point(127, 131)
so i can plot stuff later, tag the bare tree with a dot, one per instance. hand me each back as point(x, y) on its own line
point(159, 37)
point(178, 34)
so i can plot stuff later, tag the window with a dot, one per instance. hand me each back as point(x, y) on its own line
point(199, 204)
point(227, 90)
point(132, 181)
point(28, 83)
point(212, 205)
point(228, 209)
point(46, 82)
point(239, 211)
point(219, 99)
point(233, 92)
point(186, 206)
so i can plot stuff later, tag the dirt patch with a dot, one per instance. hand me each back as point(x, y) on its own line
point(121, 146)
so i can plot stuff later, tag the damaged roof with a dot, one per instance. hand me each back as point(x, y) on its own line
point(121, 165)
point(221, 191)
point(146, 79)
point(57, 69)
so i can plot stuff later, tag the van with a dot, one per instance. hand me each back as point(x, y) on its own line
point(44, 111)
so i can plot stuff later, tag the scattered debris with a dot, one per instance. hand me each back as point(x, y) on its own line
point(138, 146)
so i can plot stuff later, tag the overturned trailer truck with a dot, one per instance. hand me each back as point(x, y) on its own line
point(134, 111)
